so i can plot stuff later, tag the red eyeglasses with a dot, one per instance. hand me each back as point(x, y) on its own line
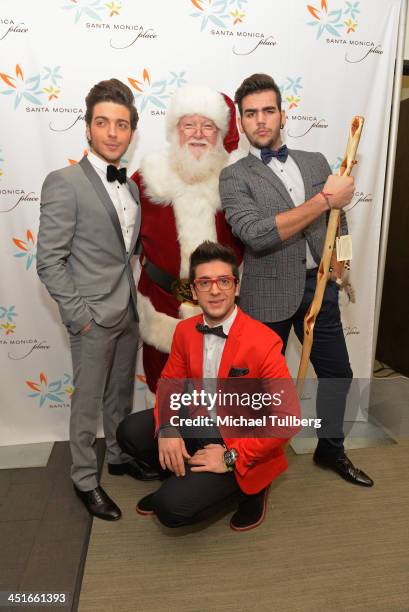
point(224, 283)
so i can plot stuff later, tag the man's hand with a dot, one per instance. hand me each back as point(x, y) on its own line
point(209, 459)
point(339, 190)
point(172, 455)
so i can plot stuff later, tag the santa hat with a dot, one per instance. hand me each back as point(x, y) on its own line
point(190, 100)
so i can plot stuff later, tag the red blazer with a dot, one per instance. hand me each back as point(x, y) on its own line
point(253, 346)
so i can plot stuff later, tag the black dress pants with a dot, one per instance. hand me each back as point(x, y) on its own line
point(180, 500)
point(329, 357)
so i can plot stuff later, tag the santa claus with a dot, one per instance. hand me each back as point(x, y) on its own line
point(179, 193)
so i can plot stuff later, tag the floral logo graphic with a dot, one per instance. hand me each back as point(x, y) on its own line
point(92, 9)
point(113, 8)
point(21, 87)
point(155, 92)
point(289, 91)
point(335, 20)
point(352, 9)
point(220, 13)
point(27, 248)
point(8, 326)
point(8, 314)
point(55, 391)
point(31, 88)
point(72, 162)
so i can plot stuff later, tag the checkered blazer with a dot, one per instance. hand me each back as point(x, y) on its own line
point(274, 271)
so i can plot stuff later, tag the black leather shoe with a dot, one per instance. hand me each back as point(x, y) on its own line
point(344, 467)
point(138, 469)
point(144, 505)
point(251, 512)
point(98, 503)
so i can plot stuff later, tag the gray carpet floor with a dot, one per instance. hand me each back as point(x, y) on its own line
point(44, 528)
point(325, 545)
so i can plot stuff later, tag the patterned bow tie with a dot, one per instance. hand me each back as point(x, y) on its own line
point(281, 154)
point(217, 331)
point(116, 174)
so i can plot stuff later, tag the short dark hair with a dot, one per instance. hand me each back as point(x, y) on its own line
point(111, 91)
point(212, 251)
point(254, 84)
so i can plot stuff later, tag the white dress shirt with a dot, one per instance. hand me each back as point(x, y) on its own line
point(290, 175)
point(121, 197)
point(213, 347)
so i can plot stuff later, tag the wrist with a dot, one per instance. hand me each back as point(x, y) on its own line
point(168, 431)
point(230, 457)
point(326, 199)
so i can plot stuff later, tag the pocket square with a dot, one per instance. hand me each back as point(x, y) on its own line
point(234, 372)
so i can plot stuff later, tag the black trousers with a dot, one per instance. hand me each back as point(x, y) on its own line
point(329, 357)
point(180, 500)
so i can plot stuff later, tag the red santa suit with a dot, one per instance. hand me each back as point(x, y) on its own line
point(176, 218)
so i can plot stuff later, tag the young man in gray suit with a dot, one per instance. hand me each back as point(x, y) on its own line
point(276, 201)
point(89, 226)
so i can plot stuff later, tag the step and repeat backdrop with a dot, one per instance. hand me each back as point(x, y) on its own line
point(332, 59)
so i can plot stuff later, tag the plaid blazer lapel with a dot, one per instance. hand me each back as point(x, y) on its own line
point(258, 167)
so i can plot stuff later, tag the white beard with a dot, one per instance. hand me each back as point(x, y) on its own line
point(191, 187)
point(192, 170)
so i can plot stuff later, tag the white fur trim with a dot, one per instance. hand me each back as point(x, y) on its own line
point(161, 184)
point(195, 211)
point(156, 328)
point(190, 100)
point(239, 153)
point(187, 310)
point(194, 205)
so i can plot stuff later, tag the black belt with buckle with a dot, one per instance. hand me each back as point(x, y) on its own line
point(178, 287)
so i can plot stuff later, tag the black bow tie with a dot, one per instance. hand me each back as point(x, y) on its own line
point(116, 174)
point(281, 154)
point(217, 331)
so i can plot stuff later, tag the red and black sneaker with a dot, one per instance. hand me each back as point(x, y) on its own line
point(145, 506)
point(251, 512)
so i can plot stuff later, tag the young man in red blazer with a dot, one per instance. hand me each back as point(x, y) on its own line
point(222, 344)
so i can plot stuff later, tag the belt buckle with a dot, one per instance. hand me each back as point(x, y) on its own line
point(181, 290)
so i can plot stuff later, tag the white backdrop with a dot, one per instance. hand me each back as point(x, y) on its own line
point(332, 59)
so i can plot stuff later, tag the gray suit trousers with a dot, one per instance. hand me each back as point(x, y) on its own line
point(104, 374)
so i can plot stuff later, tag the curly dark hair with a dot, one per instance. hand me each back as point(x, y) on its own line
point(111, 91)
point(211, 251)
point(254, 84)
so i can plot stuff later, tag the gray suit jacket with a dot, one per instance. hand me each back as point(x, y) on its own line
point(274, 271)
point(81, 255)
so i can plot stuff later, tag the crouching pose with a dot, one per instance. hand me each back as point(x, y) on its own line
point(203, 470)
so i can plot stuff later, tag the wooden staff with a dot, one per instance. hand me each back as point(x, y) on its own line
point(323, 271)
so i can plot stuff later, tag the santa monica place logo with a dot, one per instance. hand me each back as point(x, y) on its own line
point(55, 392)
point(336, 24)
